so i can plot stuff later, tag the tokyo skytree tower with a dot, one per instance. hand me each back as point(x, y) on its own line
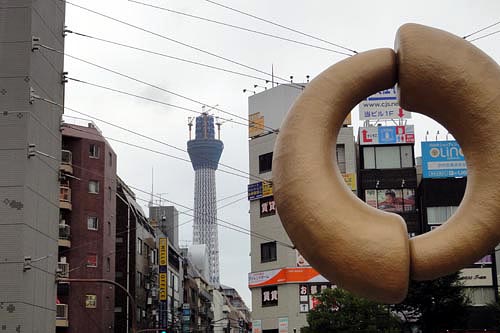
point(205, 151)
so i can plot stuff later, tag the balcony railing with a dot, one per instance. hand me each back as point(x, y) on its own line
point(64, 235)
point(65, 197)
point(63, 270)
point(62, 315)
point(66, 161)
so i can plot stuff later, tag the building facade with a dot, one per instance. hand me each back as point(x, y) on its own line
point(29, 180)
point(279, 299)
point(87, 227)
point(136, 263)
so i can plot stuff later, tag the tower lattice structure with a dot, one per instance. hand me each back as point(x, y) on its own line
point(205, 151)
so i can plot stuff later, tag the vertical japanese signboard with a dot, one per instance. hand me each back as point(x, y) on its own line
point(163, 280)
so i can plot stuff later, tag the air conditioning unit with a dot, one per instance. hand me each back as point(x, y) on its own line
point(147, 286)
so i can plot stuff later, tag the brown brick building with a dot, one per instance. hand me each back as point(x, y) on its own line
point(86, 231)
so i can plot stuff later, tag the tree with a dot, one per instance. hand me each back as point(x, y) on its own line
point(435, 305)
point(339, 311)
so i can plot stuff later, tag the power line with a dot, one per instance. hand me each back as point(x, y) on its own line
point(153, 86)
point(180, 43)
point(147, 137)
point(148, 149)
point(240, 28)
point(226, 224)
point(478, 31)
point(249, 232)
point(484, 36)
point(280, 25)
point(166, 56)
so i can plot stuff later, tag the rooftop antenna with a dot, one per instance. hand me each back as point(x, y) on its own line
point(272, 75)
point(190, 125)
point(150, 204)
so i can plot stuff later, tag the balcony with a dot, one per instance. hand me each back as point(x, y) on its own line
point(66, 162)
point(64, 235)
point(63, 270)
point(65, 197)
point(62, 315)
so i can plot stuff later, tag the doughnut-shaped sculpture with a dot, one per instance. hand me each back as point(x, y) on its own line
point(362, 249)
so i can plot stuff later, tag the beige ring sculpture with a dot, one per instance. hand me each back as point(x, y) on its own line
point(363, 249)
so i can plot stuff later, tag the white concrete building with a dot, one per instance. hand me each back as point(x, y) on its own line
point(281, 281)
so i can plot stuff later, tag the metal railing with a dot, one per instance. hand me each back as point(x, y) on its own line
point(64, 193)
point(64, 231)
point(62, 311)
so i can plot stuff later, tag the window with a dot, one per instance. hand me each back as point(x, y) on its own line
point(90, 301)
point(93, 186)
point(146, 249)
point(265, 162)
point(110, 193)
point(140, 280)
point(93, 151)
point(110, 159)
point(91, 260)
point(340, 155)
point(268, 252)
point(267, 206)
point(388, 157)
point(109, 228)
point(270, 296)
point(92, 223)
point(176, 283)
point(108, 264)
point(391, 200)
point(439, 215)
point(139, 245)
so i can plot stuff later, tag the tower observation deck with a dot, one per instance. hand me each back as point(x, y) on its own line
point(205, 151)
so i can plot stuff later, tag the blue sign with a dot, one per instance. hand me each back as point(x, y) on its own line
point(254, 191)
point(386, 134)
point(443, 159)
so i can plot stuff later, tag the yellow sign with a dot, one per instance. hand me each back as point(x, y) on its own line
point(255, 124)
point(163, 252)
point(163, 286)
point(267, 189)
point(347, 120)
point(350, 180)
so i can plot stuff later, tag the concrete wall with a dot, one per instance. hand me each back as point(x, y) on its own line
point(29, 203)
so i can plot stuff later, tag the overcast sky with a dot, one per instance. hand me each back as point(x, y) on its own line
point(359, 25)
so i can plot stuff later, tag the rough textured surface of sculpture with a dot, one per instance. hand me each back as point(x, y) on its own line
point(363, 249)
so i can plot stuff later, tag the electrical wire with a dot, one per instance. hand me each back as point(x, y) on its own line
point(240, 28)
point(484, 36)
point(146, 137)
point(231, 225)
point(180, 43)
point(166, 56)
point(280, 25)
point(156, 87)
point(480, 30)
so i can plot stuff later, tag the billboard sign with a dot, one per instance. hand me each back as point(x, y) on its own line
point(386, 135)
point(391, 200)
point(284, 275)
point(256, 326)
point(283, 325)
point(443, 159)
point(477, 277)
point(163, 252)
point(382, 105)
point(260, 190)
point(256, 124)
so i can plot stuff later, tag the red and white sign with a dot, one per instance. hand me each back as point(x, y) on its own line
point(284, 275)
point(386, 135)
